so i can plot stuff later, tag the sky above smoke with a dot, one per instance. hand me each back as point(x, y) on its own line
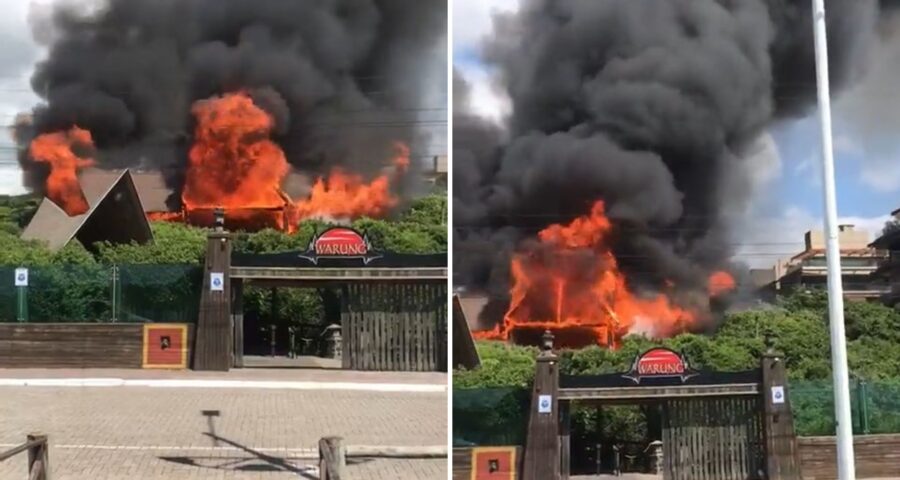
point(781, 198)
point(343, 79)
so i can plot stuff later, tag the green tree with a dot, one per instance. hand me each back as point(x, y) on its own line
point(172, 243)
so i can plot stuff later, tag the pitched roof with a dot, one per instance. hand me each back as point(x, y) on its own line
point(154, 193)
point(115, 215)
point(150, 185)
point(464, 352)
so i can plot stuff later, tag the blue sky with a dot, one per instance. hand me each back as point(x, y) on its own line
point(800, 184)
point(788, 198)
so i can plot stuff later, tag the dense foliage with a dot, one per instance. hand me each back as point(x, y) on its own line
point(799, 328)
point(161, 280)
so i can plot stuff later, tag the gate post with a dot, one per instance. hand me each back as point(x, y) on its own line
point(237, 321)
point(542, 456)
point(565, 433)
point(782, 459)
point(213, 344)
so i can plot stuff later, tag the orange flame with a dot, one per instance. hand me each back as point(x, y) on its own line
point(345, 195)
point(719, 283)
point(165, 216)
point(570, 283)
point(234, 165)
point(62, 184)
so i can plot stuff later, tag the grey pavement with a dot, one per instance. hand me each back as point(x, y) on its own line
point(139, 432)
point(273, 374)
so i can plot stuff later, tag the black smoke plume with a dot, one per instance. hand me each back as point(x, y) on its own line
point(342, 78)
point(650, 106)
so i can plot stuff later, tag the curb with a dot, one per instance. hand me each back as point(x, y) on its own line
point(238, 384)
point(356, 451)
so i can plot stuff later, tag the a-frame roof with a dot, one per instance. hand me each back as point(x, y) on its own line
point(115, 214)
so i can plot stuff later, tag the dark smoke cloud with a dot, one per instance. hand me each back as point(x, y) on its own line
point(343, 78)
point(650, 106)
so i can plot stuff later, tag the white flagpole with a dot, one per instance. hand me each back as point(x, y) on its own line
point(845, 459)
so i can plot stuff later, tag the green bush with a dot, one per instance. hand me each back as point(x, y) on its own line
point(799, 329)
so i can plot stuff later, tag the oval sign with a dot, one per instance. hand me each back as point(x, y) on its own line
point(660, 363)
point(340, 242)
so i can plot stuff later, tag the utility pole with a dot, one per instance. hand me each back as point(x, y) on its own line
point(845, 459)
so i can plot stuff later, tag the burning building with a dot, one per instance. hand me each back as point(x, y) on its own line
point(228, 101)
point(603, 204)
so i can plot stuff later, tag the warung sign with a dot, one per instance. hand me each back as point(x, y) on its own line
point(660, 363)
point(340, 242)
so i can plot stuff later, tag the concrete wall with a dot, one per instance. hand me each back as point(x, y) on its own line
point(849, 237)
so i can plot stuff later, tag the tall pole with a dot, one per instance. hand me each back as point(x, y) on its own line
point(845, 460)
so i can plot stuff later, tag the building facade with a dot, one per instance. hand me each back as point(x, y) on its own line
point(889, 269)
point(809, 268)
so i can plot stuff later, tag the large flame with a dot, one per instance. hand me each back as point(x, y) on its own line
point(720, 283)
point(345, 195)
point(56, 150)
point(235, 165)
point(570, 283)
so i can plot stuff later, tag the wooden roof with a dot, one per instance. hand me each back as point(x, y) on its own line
point(115, 215)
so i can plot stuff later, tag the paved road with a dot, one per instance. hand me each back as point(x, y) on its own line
point(101, 433)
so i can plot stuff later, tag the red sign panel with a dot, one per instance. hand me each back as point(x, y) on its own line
point(340, 242)
point(165, 346)
point(660, 363)
point(493, 463)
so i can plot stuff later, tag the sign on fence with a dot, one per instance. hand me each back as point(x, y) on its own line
point(545, 404)
point(777, 394)
point(216, 282)
point(21, 277)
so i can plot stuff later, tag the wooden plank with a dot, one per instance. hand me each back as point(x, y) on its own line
point(378, 349)
point(407, 337)
point(71, 345)
point(423, 332)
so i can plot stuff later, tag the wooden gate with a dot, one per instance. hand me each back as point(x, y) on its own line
point(713, 439)
point(716, 425)
point(395, 326)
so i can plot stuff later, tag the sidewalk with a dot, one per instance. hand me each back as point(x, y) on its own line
point(121, 426)
point(289, 379)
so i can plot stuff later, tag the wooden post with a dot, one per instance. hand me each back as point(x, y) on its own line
point(565, 432)
point(38, 457)
point(213, 343)
point(237, 318)
point(782, 459)
point(332, 459)
point(542, 460)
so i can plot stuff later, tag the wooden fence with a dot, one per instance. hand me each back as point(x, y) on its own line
point(712, 439)
point(38, 449)
point(73, 345)
point(395, 326)
point(70, 345)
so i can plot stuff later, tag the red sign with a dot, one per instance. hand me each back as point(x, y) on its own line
point(493, 463)
point(660, 363)
point(340, 242)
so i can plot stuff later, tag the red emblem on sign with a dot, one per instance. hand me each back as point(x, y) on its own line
point(660, 363)
point(339, 242)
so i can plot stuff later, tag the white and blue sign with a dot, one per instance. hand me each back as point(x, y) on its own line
point(777, 394)
point(545, 404)
point(216, 282)
point(21, 277)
